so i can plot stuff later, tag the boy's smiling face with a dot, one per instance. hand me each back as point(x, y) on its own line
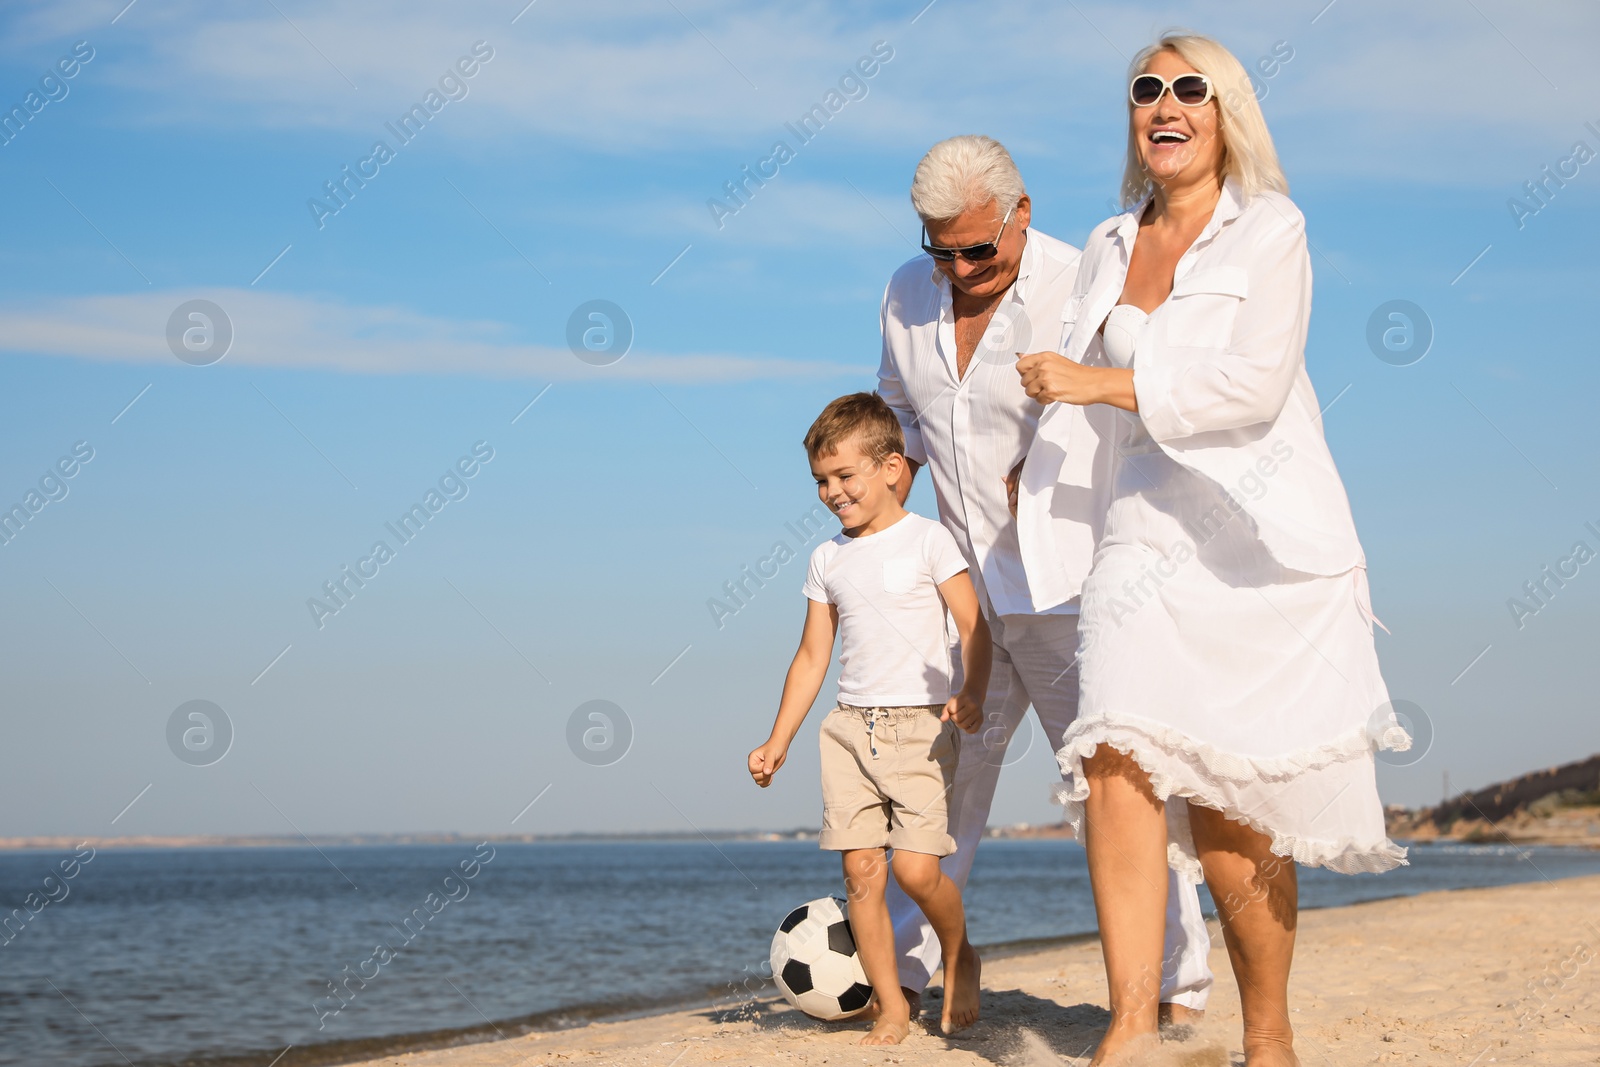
point(858, 489)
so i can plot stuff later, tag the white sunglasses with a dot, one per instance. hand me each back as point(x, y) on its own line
point(1189, 90)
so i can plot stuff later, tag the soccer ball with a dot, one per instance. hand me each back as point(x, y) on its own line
point(815, 964)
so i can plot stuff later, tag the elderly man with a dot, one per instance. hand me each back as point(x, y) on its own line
point(954, 322)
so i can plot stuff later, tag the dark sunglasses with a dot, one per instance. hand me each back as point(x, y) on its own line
point(971, 253)
point(1190, 90)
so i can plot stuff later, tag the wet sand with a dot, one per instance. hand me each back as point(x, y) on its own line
point(1509, 975)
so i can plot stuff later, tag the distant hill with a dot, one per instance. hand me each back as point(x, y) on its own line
point(1560, 805)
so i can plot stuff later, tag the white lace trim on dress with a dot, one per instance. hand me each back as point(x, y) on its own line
point(1180, 766)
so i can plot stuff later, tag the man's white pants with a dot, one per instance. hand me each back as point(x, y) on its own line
point(1035, 662)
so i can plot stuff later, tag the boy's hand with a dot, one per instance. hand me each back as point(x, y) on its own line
point(765, 761)
point(965, 711)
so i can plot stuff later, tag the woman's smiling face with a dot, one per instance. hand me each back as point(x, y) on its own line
point(1177, 142)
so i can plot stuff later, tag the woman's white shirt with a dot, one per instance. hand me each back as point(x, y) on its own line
point(1220, 380)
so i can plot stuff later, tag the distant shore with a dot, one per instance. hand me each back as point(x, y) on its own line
point(1541, 824)
point(151, 841)
point(1467, 976)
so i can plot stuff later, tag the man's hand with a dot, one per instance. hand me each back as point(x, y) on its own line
point(765, 761)
point(965, 711)
point(1011, 481)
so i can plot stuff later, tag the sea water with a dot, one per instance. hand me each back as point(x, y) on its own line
point(233, 955)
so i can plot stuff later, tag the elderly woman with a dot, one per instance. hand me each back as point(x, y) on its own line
point(1231, 698)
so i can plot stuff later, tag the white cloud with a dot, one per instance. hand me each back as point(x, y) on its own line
point(1431, 90)
point(623, 76)
point(302, 333)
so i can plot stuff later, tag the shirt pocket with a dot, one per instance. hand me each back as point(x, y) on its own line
point(1069, 319)
point(1201, 310)
point(899, 576)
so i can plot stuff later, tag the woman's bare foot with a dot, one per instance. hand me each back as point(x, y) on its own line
point(961, 986)
point(1270, 1054)
point(890, 1029)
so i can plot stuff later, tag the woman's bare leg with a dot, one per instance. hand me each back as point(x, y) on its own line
point(1125, 835)
point(1257, 896)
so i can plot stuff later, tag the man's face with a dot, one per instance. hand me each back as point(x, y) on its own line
point(990, 277)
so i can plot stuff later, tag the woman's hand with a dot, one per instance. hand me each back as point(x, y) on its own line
point(1052, 379)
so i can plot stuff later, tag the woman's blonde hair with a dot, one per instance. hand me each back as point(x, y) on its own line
point(1247, 152)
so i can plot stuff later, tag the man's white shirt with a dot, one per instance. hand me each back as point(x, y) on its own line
point(971, 431)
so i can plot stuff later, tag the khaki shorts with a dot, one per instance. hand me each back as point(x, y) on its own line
point(886, 779)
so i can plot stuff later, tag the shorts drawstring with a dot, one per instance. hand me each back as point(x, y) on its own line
point(872, 720)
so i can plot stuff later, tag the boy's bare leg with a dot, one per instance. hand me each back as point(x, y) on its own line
point(913, 999)
point(866, 872)
point(919, 875)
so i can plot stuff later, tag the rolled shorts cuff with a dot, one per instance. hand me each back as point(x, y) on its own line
point(848, 839)
point(927, 842)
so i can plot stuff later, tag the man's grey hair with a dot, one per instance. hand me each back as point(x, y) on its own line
point(962, 173)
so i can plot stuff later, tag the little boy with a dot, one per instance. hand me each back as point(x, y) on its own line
point(889, 748)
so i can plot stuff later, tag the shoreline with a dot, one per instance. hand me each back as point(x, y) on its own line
point(364, 1050)
point(720, 1008)
point(1443, 976)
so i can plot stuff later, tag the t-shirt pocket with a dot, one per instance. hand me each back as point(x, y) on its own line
point(899, 576)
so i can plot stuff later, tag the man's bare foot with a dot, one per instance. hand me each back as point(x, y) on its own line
point(1178, 1023)
point(1178, 1015)
point(1203, 1056)
point(961, 990)
point(890, 1029)
point(913, 999)
point(1122, 1046)
point(1270, 1054)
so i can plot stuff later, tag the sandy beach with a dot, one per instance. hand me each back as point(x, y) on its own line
point(1471, 977)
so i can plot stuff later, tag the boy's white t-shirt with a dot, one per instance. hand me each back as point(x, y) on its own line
point(895, 644)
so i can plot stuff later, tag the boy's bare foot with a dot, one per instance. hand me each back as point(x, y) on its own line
point(890, 1029)
point(961, 991)
point(913, 999)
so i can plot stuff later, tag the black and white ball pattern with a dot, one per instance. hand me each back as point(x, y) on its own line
point(815, 964)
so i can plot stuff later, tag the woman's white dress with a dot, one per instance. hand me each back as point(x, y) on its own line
point(1235, 682)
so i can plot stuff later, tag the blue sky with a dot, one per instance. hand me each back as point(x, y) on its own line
point(575, 164)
